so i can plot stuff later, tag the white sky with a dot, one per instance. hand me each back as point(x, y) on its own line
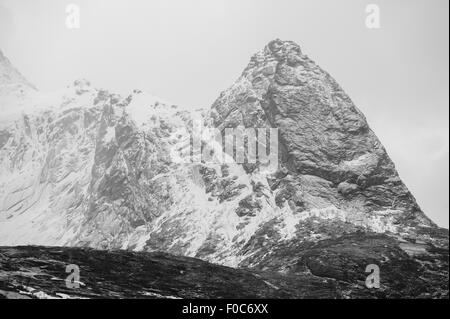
point(188, 51)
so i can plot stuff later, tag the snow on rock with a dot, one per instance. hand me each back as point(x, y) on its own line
point(86, 167)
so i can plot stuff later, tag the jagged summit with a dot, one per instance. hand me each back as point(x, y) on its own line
point(283, 50)
point(327, 146)
point(277, 50)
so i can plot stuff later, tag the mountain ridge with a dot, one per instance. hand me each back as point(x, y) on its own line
point(93, 169)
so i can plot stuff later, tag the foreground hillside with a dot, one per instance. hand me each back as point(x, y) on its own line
point(330, 269)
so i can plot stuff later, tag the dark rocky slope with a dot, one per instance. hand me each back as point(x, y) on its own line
point(330, 269)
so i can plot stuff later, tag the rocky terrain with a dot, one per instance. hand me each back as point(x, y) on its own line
point(331, 269)
point(84, 167)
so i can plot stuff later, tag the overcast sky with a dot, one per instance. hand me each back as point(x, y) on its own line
point(187, 52)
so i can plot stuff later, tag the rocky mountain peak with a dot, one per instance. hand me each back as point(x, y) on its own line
point(327, 147)
point(282, 50)
point(13, 85)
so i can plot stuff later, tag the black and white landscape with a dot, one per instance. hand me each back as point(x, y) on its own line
point(87, 179)
point(84, 167)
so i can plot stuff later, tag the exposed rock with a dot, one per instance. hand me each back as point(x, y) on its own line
point(4, 138)
point(249, 206)
point(347, 188)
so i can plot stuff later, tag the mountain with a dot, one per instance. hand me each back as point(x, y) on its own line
point(85, 167)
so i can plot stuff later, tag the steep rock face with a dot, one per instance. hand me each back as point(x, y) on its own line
point(334, 175)
point(85, 167)
point(330, 157)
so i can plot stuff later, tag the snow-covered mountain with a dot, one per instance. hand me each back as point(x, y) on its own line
point(86, 167)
